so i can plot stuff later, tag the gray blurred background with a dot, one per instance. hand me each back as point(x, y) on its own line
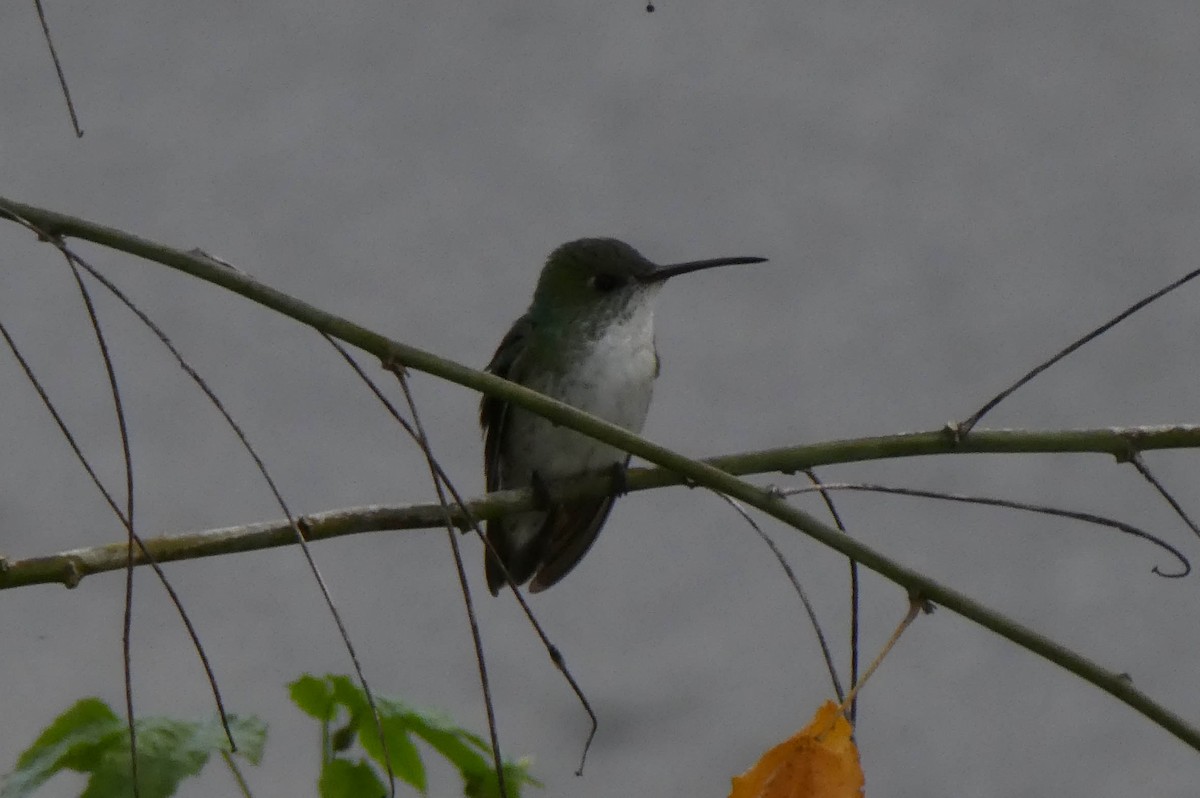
point(948, 192)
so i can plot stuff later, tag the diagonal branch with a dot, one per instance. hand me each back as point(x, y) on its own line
point(697, 472)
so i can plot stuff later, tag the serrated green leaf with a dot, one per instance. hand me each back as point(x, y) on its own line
point(72, 741)
point(250, 734)
point(341, 778)
point(169, 751)
point(89, 738)
point(87, 717)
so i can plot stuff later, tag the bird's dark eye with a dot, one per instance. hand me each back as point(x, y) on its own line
point(605, 283)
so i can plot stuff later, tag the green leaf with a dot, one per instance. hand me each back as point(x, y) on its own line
point(406, 759)
point(348, 694)
point(89, 738)
point(250, 734)
point(169, 751)
point(314, 696)
point(72, 741)
point(470, 754)
point(341, 739)
point(341, 692)
point(341, 778)
point(460, 747)
point(486, 785)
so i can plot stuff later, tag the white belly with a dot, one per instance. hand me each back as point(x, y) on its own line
point(614, 380)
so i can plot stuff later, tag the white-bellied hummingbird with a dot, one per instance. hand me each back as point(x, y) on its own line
point(586, 340)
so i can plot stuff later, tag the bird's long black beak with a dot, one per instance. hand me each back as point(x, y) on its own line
point(663, 272)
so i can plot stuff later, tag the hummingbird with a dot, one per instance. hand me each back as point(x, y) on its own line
point(588, 341)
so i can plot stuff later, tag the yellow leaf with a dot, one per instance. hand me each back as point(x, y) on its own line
point(820, 761)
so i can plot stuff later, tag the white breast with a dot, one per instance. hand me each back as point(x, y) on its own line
point(615, 381)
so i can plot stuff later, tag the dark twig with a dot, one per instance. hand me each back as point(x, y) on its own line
point(295, 524)
point(91, 472)
point(1140, 465)
point(470, 522)
point(961, 429)
point(852, 704)
point(787, 569)
point(74, 576)
point(74, 260)
point(127, 455)
point(435, 472)
point(62, 78)
point(1090, 518)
